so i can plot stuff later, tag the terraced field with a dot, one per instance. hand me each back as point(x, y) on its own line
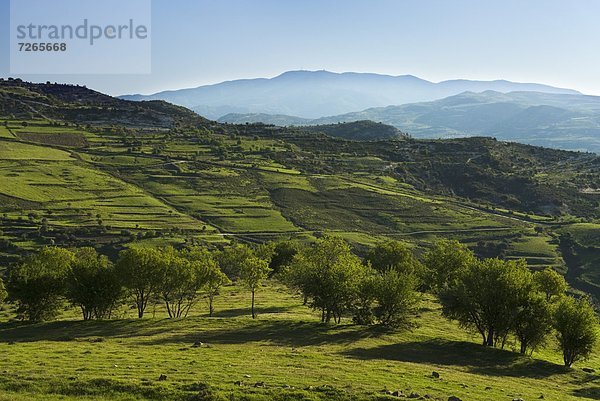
point(67, 184)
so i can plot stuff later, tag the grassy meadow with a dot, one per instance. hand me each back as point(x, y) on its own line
point(286, 350)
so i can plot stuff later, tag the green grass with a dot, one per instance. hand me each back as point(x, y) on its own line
point(76, 194)
point(5, 133)
point(587, 234)
point(22, 151)
point(537, 249)
point(286, 348)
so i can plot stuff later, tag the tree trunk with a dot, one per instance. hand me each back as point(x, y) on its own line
point(523, 347)
point(210, 306)
point(253, 314)
point(490, 337)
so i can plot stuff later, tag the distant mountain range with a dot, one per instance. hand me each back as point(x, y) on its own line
point(315, 94)
point(566, 121)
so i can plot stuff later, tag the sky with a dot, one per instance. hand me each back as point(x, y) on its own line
point(198, 42)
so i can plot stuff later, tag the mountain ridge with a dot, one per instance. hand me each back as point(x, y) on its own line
point(564, 121)
point(315, 94)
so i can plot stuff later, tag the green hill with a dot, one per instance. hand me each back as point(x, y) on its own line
point(80, 167)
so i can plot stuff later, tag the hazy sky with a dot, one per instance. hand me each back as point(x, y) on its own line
point(197, 42)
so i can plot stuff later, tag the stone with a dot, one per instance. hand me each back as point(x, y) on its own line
point(435, 374)
point(454, 398)
point(162, 378)
point(488, 388)
point(517, 399)
point(414, 395)
point(247, 376)
point(397, 393)
point(588, 370)
point(197, 344)
point(259, 384)
point(238, 383)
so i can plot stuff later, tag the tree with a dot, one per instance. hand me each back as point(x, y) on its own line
point(362, 306)
point(486, 297)
point(38, 284)
point(576, 325)
point(182, 279)
point(329, 274)
point(533, 321)
point(396, 297)
point(551, 283)
point(233, 258)
point(213, 277)
point(283, 255)
point(141, 270)
point(92, 284)
point(253, 272)
point(445, 261)
point(393, 255)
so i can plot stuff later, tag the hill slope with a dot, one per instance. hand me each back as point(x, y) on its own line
point(80, 181)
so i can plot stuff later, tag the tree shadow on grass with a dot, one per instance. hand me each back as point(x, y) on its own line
point(592, 393)
point(476, 358)
point(189, 330)
point(248, 311)
point(278, 332)
point(69, 330)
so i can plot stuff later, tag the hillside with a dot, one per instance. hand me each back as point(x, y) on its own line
point(24, 100)
point(314, 94)
point(564, 121)
point(85, 179)
point(358, 130)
